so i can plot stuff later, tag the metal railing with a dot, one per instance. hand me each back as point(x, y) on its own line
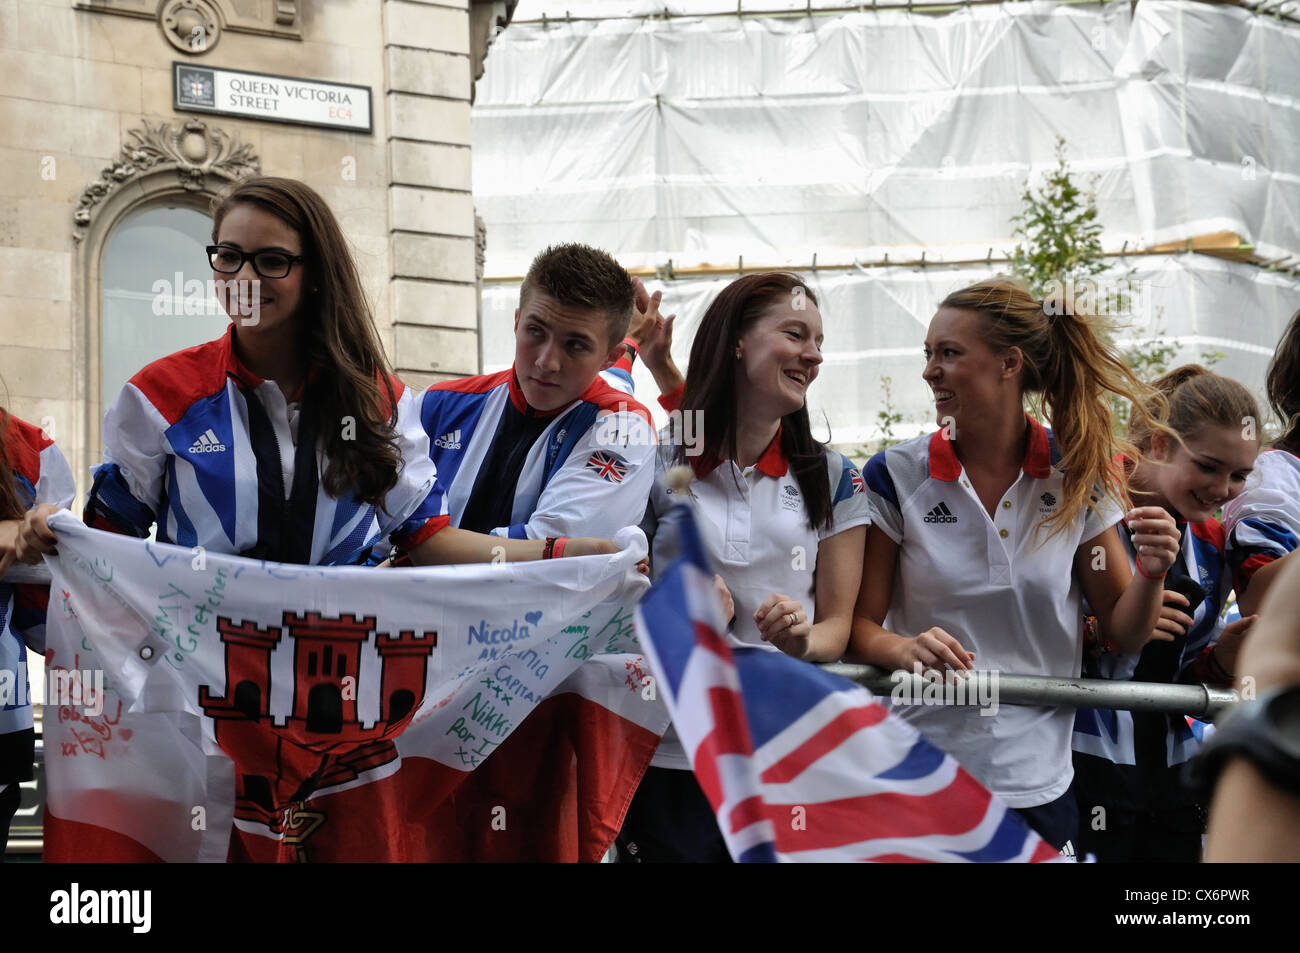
point(21, 572)
point(1199, 701)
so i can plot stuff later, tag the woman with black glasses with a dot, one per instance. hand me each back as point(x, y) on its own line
point(288, 439)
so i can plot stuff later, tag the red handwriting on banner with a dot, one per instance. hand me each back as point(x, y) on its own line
point(89, 732)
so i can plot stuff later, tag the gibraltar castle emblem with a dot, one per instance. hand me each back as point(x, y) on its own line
point(322, 743)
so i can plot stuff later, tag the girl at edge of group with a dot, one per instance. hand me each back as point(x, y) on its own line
point(1129, 764)
point(1263, 523)
point(32, 472)
point(764, 491)
point(985, 536)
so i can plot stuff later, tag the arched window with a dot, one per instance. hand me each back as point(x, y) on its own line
point(156, 287)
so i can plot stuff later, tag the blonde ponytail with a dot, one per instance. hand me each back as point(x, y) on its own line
point(1070, 367)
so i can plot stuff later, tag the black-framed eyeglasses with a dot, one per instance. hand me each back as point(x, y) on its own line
point(268, 263)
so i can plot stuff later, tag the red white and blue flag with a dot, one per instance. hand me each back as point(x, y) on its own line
point(855, 477)
point(607, 466)
point(800, 764)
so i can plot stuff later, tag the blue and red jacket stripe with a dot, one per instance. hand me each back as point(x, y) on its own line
point(551, 490)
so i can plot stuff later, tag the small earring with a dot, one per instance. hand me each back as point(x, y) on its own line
point(737, 352)
point(314, 289)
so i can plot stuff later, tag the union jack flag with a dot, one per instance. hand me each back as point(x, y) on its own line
point(800, 764)
point(855, 477)
point(607, 466)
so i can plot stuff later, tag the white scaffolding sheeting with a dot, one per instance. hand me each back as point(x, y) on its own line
point(875, 322)
point(852, 136)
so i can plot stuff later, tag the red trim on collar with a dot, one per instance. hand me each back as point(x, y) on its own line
point(479, 384)
point(1212, 532)
point(1038, 455)
point(516, 392)
point(945, 466)
point(772, 463)
point(598, 392)
point(235, 367)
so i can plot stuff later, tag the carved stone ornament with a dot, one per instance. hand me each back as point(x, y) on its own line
point(194, 149)
point(191, 26)
point(177, 20)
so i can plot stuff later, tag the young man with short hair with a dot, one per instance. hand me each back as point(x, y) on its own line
point(548, 448)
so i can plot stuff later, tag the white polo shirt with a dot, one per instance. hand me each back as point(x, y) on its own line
point(998, 585)
point(754, 526)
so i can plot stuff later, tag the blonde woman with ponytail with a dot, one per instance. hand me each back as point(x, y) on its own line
point(988, 533)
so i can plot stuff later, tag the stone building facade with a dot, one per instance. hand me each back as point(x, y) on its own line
point(91, 139)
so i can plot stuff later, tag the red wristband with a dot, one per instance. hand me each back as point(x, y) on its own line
point(558, 550)
point(1146, 575)
point(628, 342)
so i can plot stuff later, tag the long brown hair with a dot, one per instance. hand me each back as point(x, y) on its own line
point(354, 381)
point(1070, 367)
point(1196, 398)
point(1284, 386)
point(711, 386)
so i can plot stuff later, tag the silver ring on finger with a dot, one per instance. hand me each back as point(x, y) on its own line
point(790, 619)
